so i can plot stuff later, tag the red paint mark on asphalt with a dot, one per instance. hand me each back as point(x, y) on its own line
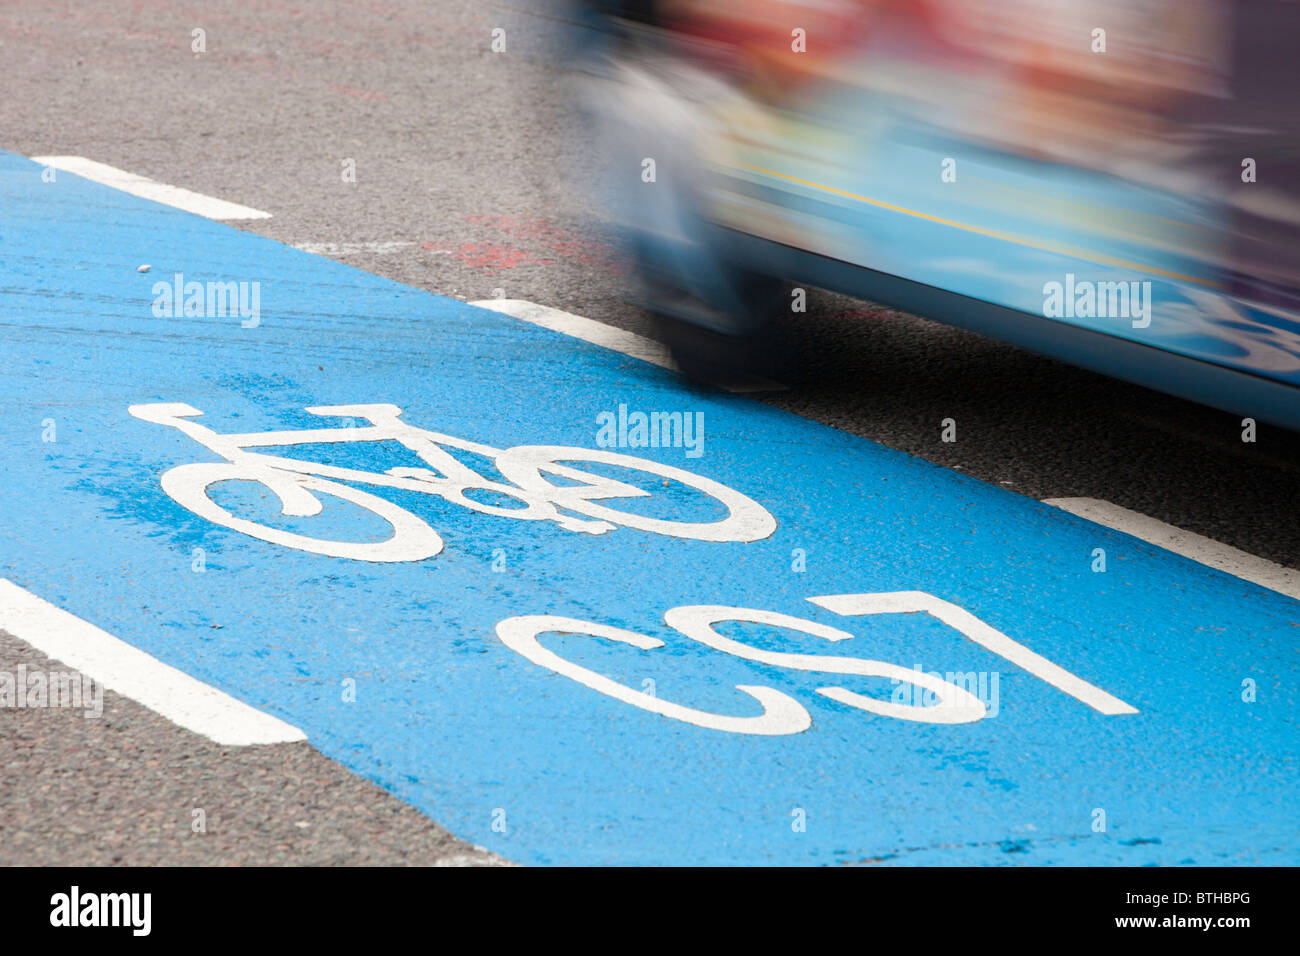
point(491, 257)
point(555, 239)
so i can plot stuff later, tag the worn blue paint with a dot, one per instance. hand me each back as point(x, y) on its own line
point(455, 723)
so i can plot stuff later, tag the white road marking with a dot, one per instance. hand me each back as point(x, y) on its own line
point(1204, 550)
point(606, 336)
point(987, 636)
point(355, 248)
point(129, 671)
point(150, 188)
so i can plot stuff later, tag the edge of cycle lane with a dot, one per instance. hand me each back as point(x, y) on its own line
point(397, 671)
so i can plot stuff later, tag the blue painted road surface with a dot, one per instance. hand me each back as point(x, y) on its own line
point(450, 579)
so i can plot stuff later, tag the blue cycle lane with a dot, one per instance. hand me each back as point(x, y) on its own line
point(1153, 720)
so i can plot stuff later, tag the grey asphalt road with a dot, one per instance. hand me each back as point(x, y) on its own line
point(124, 786)
point(461, 160)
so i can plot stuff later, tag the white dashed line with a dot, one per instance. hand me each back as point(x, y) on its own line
point(147, 188)
point(1204, 550)
point(129, 671)
point(606, 336)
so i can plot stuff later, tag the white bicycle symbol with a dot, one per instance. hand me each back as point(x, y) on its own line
point(298, 484)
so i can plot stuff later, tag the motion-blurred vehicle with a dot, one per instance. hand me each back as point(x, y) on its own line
point(1115, 183)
